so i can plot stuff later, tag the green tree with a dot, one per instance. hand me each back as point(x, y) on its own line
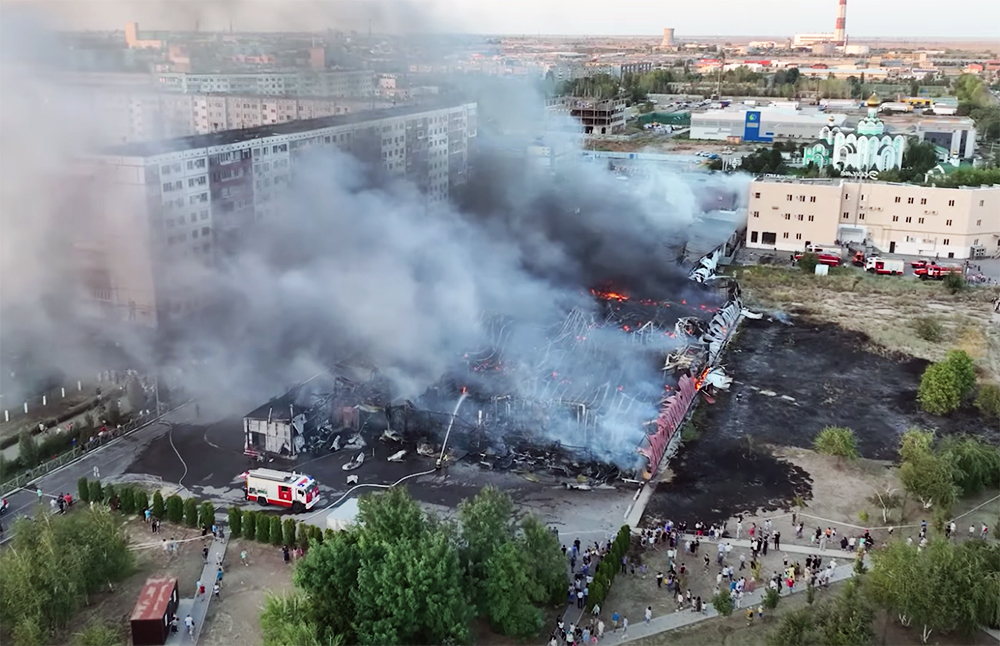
point(771, 598)
point(329, 576)
point(83, 489)
point(141, 502)
point(807, 263)
point(975, 464)
point(837, 441)
point(191, 512)
point(277, 537)
point(285, 622)
point(723, 602)
point(965, 369)
point(988, 401)
point(175, 509)
point(955, 282)
point(545, 562)
point(100, 633)
point(27, 450)
point(159, 509)
point(510, 611)
point(303, 533)
point(288, 532)
point(235, 522)
point(109, 494)
point(940, 390)
point(929, 477)
point(206, 514)
point(487, 525)
point(126, 497)
point(263, 527)
point(249, 525)
point(96, 492)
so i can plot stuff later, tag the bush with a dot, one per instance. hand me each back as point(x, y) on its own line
point(206, 514)
point(100, 633)
point(126, 500)
point(109, 494)
point(863, 516)
point(249, 525)
point(807, 263)
point(142, 502)
point(954, 282)
point(159, 509)
point(315, 534)
point(277, 536)
point(837, 441)
point(191, 512)
point(288, 532)
point(304, 534)
point(27, 450)
point(988, 401)
point(175, 509)
point(235, 522)
point(771, 598)
point(928, 328)
point(940, 391)
point(263, 527)
point(965, 370)
point(83, 489)
point(96, 492)
point(723, 602)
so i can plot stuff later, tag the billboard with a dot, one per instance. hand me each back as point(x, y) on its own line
point(751, 127)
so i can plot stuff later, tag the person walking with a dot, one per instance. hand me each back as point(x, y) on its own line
point(777, 540)
point(649, 612)
point(659, 579)
point(189, 624)
point(243, 557)
point(624, 627)
point(215, 590)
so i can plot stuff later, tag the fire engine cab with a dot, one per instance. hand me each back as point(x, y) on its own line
point(272, 487)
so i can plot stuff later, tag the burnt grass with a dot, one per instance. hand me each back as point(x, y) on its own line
point(789, 383)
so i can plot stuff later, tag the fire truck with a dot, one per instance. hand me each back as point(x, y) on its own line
point(884, 266)
point(934, 271)
point(825, 254)
point(271, 487)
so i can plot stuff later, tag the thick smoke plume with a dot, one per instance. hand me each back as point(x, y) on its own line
point(356, 269)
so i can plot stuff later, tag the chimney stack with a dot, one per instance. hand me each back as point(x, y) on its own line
point(668, 39)
point(840, 33)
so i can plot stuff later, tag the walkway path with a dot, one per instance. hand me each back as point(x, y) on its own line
point(198, 606)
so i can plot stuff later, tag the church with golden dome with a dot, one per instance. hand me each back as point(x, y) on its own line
point(868, 147)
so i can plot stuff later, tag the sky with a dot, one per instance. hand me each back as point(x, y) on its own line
point(874, 18)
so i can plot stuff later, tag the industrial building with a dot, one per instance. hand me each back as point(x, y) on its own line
point(786, 214)
point(294, 83)
point(156, 204)
point(766, 124)
point(957, 135)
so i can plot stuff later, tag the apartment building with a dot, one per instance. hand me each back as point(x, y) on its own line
point(595, 116)
point(785, 214)
point(292, 83)
point(181, 204)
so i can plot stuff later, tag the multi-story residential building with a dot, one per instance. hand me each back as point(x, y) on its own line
point(164, 205)
point(596, 116)
point(293, 83)
point(786, 214)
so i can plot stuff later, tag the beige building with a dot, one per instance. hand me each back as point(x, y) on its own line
point(785, 214)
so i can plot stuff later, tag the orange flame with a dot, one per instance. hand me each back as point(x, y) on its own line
point(700, 381)
point(609, 295)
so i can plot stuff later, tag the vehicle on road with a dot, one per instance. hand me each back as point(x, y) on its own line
point(272, 487)
point(884, 266)
point(825, 254)
point(937, 272)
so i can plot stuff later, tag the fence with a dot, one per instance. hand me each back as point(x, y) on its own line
point(14, 410)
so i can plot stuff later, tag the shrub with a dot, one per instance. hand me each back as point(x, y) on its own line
point(175, 509)
point(965, 370)
point(288, 532)
point(988, 401)
point(235, 522)
point(109, 494)
point(191, 512)
point(315, 534)
point(723, 602)
point(954, 282)
point(771, 598)
point(206, 514)
point(807, 263)
point(837, 441)
point(304, 534)
point(811, 594)
point(928, 328)
point(158, 507)
point(277, 537)
point(96, 492)
point(141, 502)
point(863, 516)
point(249, 525)
point(83, 489)
point(263, 527)
point(126, 498)
point(940, 391)
point(27, 450)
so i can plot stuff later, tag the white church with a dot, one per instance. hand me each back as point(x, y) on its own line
point(869, 147)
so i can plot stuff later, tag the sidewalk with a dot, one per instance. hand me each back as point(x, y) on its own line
point(687, 617)
point(198, 606)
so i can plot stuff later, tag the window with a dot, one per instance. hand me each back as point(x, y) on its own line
point(951, 202)
point(784, 235)
point(898, 200)
point(190, 165)
point(204, 231)
point(862, 197)
point(768, 237)
point(788, 198)
point(846, 215)
point(756, 214)
point(812, 198)
point(909, 219)
point(975, 242)
point(204, 214)
point(753, 236)
point(812, 218)
point(981, 202)
point(909, 200)
point(923, 200)
point(165, 169)
point(802, 198)
point(799, 216)
point(194, 234)
point(947, 223)
point(788, 216)
point(946, 241)
point(895, 218)
point(979, 223)
point(861, 216)
point(798, 236)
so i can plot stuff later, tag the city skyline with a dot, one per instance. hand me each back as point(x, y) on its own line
point(890, 19)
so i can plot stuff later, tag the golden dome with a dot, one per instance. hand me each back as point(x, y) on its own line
point(873, 101)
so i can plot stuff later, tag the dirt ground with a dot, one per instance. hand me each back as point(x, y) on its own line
point(186, 564)
point(235, 619)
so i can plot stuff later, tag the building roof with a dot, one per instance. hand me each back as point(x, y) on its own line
point(154, 599)
point(230, 137)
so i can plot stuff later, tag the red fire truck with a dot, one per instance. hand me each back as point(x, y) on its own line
point(272, 487)
point(934, 271)
point(825, 254)
point(884, 266)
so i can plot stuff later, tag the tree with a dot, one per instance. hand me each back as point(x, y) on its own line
point(249, 525)
point(282, 622)
point(206, 514)
point(109, 495)
point(141, 502)
point(175, 509)
point(235, 522)
point(134, 394)
point(940, 390)
point(807, 263)
point(96, 493)
point(83, 489)
point(263, 528)
point(975, 464)
point(487, 525)
point(965, 369)
point(847, 621)
point(723, 602)
point(510, 611)
point(955, 282)
point(886, 499)
point(837, 441)
point(988, 401)
point(277, 537)
point(920, 156)
point(303, 534)
point(329, 576)
point(126, 499)
point(545, 562)
point(771, 598)
point(288, 532)
point(159, 509)
point(929, 478)
point(191, 512)
point(27, 450)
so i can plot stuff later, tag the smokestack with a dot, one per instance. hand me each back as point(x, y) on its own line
point(840, 33)
point(668, 38)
